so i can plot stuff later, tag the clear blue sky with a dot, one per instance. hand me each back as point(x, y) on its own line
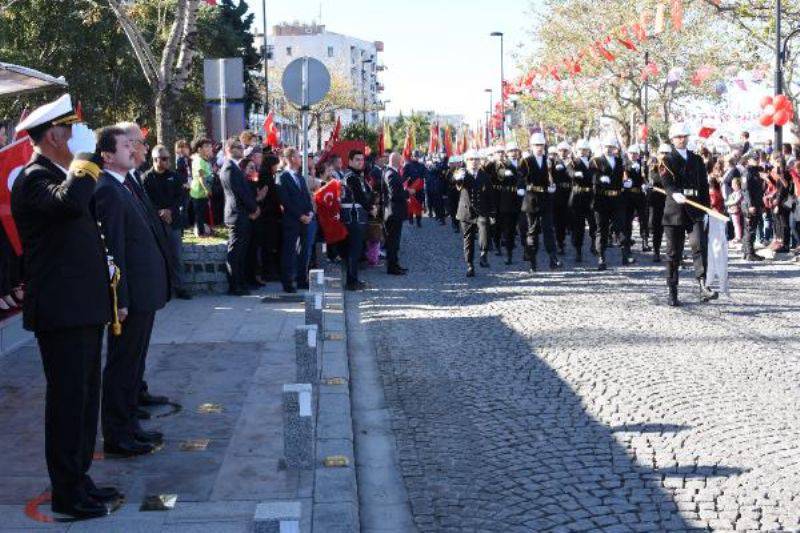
point(438, 53)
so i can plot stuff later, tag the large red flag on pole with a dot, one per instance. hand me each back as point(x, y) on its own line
point(448, 141)
point(13, 159)
point(271, 136)
point(381, 142)
point(408, 147)
point(327, 200)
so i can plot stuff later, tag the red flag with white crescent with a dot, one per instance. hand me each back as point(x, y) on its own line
point(327, 200)
point(13, 159)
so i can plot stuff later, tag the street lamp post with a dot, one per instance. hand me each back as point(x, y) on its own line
point(491, 102)
point(778, 81)
point(364, 92)
point(502, 85)
point(266, 57)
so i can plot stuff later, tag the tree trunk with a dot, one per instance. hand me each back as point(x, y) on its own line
point(319, 135)
point(165, 119)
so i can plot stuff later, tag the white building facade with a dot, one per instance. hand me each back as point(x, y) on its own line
point(355, 60)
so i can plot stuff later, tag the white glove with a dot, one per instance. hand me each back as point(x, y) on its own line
point(627, 184)
point(559, 167)
point(520, 192)
point(679, 198)
point(508, 173)
point(605, 179)
point(82, 139)
point(551, 189)
point(579, 174)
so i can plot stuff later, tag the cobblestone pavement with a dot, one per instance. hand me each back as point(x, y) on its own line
point(578, 401)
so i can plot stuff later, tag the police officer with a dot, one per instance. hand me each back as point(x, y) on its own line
point(67, 297)
point(608, 170)
point(537, 203)
point(562, 180)
point(684, 176)
point(581, 199)
point(475, 209)
point(634, 198)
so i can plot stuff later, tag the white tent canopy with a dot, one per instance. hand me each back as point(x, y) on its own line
point(15, 79)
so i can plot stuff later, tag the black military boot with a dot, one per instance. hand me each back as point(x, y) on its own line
point(484, 262)
point(645, 245)
point(627, 258)
point(601, 264)
point(470, 270)
point(555, 264)
point(706, 294)
point(578, 255)
point(657, 256)
point(509, 256)
point(533, 268)
point(672, 300)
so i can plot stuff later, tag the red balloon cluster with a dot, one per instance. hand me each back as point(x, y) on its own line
point(777, 111)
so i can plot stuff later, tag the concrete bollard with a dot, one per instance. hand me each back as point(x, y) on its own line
point(298, 426)
point(314, 309)
point(306, 347)
point(316, 281)
point(278, 517)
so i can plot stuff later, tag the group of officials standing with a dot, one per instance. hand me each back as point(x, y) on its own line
point(97, 258)
point(546, 196)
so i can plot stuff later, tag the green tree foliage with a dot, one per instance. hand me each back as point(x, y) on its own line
point(82, 41)
point(356, 131)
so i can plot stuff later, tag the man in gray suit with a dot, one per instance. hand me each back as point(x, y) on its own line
point(240, 210)
point(143, 289)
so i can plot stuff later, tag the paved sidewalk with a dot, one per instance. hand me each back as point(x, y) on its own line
point(233, 353)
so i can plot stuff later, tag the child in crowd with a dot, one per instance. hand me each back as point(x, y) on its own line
point(734, 205)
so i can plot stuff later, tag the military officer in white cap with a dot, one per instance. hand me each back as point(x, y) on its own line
point(580, 199)
point(684, 176)
point(67, 296)
point(562, 217)
point(608, 170)
point(515, 159)
point(475, 209)
point(537, 203)
point(634, 198)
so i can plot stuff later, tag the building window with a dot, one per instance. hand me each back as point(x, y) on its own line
point(330, 51)
point(289, 51)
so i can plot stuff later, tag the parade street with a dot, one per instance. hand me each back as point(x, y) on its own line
point(576, 400)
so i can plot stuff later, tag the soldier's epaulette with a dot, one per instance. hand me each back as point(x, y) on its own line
point(81, 168)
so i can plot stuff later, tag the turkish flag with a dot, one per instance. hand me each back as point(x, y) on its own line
point(13, 159)
point(328, 207)
point(271, 136)
point(408, 146)
point(707, 131)
point(448, 141)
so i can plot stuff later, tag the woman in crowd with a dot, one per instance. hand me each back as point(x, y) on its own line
point(200, 188)
point(270, 219)
point(715, 187)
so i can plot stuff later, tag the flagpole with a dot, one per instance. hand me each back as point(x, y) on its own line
point(266, 57)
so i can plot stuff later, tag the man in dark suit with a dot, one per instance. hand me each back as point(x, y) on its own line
point(67, 297)
point(133, 181)
point(475, 209)
point(395, 212)
point(684, 176)
point(164, 188)
point(240, 210)
point(297, 215)
point(143, 289)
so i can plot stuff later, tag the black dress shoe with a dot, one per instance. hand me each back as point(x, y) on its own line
point(183, 294)
point(555, 264)
point(657, 257)
point(143, 414)
point(672, 299)
point(289, 289)
point(470, 271)
point(601, 266)
point(579, 257)
point(754, 257)
point(105, 494)
point(83, 508)
point(149, 437)
point(396, 272)
point(402, 268)
point(146, 398)
point(131, 448)
point(484, 262)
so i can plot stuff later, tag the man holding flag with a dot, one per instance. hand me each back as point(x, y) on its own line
point(685, 180)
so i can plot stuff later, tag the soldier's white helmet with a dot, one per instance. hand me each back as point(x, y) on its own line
point(471, 154)
point(538, 139)
point(634, 149)
point(610, 141)
point(583, 144)
point(564, 145)
point(552, 150)
point(679, 130)
point(510, 147)
point(665, 148)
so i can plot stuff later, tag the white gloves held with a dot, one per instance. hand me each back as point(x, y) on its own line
point(605, 179)
point(627, 184)
point(520, 192)
point(82, 140)
point(679, 198)
point(551, 189)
